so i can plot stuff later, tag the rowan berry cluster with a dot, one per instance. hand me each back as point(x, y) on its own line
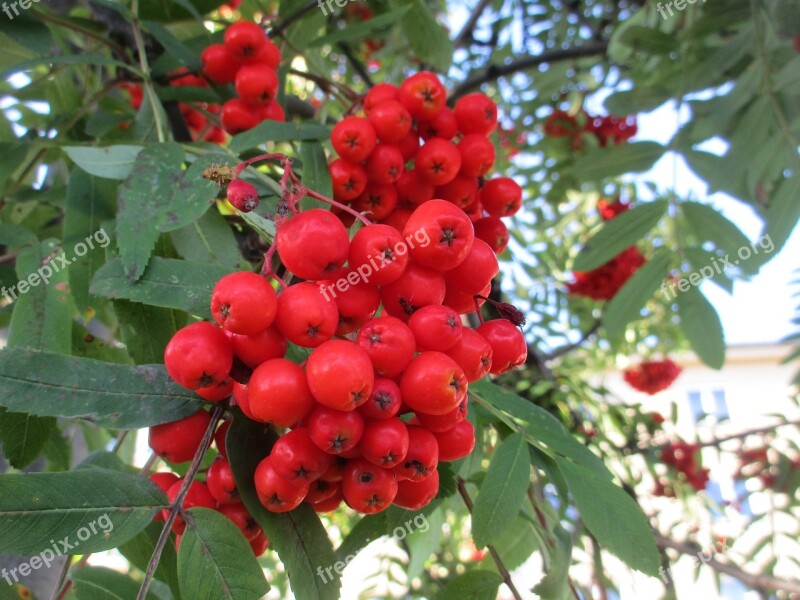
point(249, 60)
point(652, 376)
point(380, 400)
point(576, 127)
point(683, 457)
point(605, 281)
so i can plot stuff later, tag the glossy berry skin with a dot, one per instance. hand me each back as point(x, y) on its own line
point(259, 544)
point(477, 155)
point(272, 111)
point(436, 327)
point(408, 146)
point(335, 431)
point(318, 229)
point(386, 164)
point(295, 456)
point(465, 302)
point(457, 442)
point(509, 349)
point(277, 494)
point(244, 303)
point(164, 481)
point(357, 304)
point(237, 116)
point(384, 401)
point(329, 504)
point(398, 218)
point(241, 398)
point(253, 350)
point(368, 488)
point(354, 139)
point(320, 490)
point(449, 231)
point(423, 95)
point(445, 422)
point(220, 436)
point(278, 393)
point(380, 93)
point(245, 40)
point(349, 179)
point(418, 286)
point(257, 84)
point(374, 250)
point(340, 375)
point(177, 442)
point(198, 356)
point(197, 496)
point(476, 271)
point(305, 316)
point(389, 344)
point(473, 353)
point(385, 442)
point(443, 125)
point(433, 383)
point(242, 195)
point(412, 190)
point(492, 231)
point(391, 121)
point(219, 64)
point(422, 456)
point(414, 495)
point(221, 483)
point(216, 393)
point(438, 162)
point(377, 201)
point(238, 514)
point(476, 113)
point(501, 197)
point(462, 191)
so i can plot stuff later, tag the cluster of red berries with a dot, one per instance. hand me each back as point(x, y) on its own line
point(359, 11)
point(606, 129)
point(177, 442)
point(683, 457)
point(605, 281)
point(249, 60)
point(410, 148)
point(195, 118)
point(652, 376)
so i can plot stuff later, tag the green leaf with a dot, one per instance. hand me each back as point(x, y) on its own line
point(110, 395)
point(360, 30)
point(175, 47)
point(427, 38)
point(24, 436)
point(783, 212)
point(502, 491)
point(65, 59)
point(16, 235)
point(209, 240)
point(146, 330)
point(701, 326)
point(139, 549)
point(58, 451)
point(277, 131)
point(315, 168)
point(555, 584)
point(159, 197)
point(215, 561)
point(710, 225)
point(102, 583)
point(620, 233)
point(476, 584)
point(648, 39)
point(297, 536)
point(627, 304)
point(613, 161)
point(166, 282)
point(90, 201)
point(113, 162)
point(613, 517)
point(42, 316)
point(90, 509)
point(639, 99)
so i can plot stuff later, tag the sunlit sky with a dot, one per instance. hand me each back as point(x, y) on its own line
point(760, 310)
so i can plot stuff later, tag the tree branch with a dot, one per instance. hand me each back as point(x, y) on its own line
point(752, 580)
point(566, 349)
point(469, 27)
point(494, 72)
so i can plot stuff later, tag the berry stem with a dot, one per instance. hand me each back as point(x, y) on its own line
point(216, 415)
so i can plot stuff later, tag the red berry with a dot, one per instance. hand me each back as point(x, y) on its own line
point(295, 456)
point(238, 514)
point(244, 303)
point(217, 392)
point(335, 431)
point(340, 374)
point(330, 503)
point(389, 343)
point(476, 271)
point(276, 493)
point(457, 442)
point(384, 401)
point(368, 488)
point(354, 139)
point(374, 253)
point(422, 456)
point(476, 113)
point(257, 84)
point(196, 496)
point(465, 302)
point(377, 201)
point(385, 442)
point(477, 155)
point(318, 229)
point(443, 125)
point(278, 393)
point(412, 190)
point(438, 161)
point(245, 40)
point(385, 165)
point(462, 191)
point(221, 483)
point(357, 303)
point(408, 146)
point(414, 495)
point(391, 121)
point(445, 422)
point(501, 197)
point(238, 116)
point(349, 179)
point(380, 93)
point(417, 287)
point(509, 348)
point(198, 356)
point(220, 436)
point(305, 316)
point(259, 544)
point(492, 231)
point(253, 350)
point(243, 195)
point(448, 230)
point(272, 111)
point(433, 383)
point(164, 481)
point(473, 353)
point(436, 327)
point(219, 64)
point(423, 95)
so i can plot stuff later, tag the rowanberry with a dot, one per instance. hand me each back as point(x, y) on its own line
point(433, 383)
point(318, 229)
point(340, 374)
point(244, 303)
point(198, 356)
point(279, 394)
point(242, 195)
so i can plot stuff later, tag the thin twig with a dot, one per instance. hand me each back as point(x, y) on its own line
point(566, 349)
point(147, 79)
point(462, 490)
point(293, 18)
point(216, 415)
point(469, 27)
